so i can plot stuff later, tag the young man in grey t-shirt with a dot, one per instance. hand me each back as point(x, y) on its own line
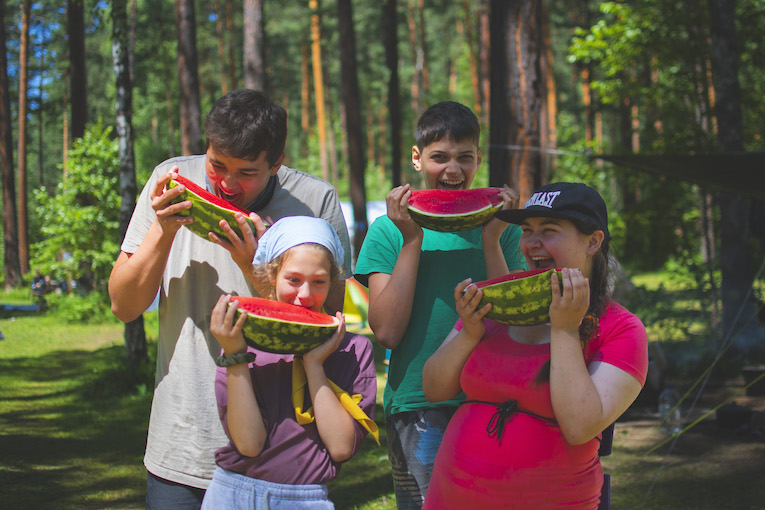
point(246, 133)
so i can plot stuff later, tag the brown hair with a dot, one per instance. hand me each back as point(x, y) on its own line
point(267, 272)
point(599, 296)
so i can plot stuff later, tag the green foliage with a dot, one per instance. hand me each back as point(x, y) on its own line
point(91, 308)
point(80, 221)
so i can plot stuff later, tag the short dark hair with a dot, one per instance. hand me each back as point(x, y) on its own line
point(244, 123)
point(447, 120)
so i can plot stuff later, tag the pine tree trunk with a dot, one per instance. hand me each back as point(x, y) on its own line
point(12, 267)
point(473, 59)
point(230, 45)
point(354, 131)
point(221, 47)
point(135, 336)
point(77, 67)
point(318, 84)
point(169, 109)
point(254, 55)
point(188, 77)
point(22, 142)
point(485, 42)
point(416, 57)
point(735, 211)
point(390, 40)
point(40, 119)
point(517, 99)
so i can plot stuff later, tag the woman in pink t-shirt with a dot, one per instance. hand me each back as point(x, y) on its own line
point(538, 397)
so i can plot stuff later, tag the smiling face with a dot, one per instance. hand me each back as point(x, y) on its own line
point(556, 243)
point(304, 277)
point(239, 181)
point(447, 164)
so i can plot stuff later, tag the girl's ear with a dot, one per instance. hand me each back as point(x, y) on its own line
point(596, 241)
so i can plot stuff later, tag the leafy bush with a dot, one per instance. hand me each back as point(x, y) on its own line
point(80, 222)
point(92, 308)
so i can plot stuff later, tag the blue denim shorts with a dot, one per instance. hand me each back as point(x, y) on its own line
point(233, 491)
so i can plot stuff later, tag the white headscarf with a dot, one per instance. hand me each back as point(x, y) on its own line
point(292, 231)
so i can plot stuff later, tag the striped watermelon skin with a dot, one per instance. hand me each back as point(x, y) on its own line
point(519, 299)
point(283, 328)
point(207, 210)
point(454, 210)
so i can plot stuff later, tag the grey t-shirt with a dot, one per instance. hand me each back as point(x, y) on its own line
point(184, 427)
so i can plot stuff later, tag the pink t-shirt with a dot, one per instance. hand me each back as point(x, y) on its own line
point(532, 466)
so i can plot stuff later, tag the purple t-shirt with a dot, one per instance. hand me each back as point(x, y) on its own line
point(293, 453)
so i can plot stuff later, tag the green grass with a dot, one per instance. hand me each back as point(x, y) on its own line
point(70, 435)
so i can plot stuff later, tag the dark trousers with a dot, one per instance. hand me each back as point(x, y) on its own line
point(163, 494)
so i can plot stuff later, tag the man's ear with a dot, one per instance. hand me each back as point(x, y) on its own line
point(277, 165)
point(596, 241)
point(416, 162)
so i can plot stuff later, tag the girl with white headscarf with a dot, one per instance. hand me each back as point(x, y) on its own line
point(280, 455)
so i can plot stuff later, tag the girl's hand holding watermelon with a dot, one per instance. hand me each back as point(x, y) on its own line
point(225, 328)
point(319, 354)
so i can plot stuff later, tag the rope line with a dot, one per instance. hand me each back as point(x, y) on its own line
point(726, 344)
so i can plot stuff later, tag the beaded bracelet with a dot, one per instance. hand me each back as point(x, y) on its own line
point(235, 359)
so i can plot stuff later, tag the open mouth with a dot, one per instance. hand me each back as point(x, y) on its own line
point(542, 263)
point(228, 197)
point(450, 185)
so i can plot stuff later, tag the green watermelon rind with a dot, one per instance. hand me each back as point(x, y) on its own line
point(284, 337)
point(207, 215)
point(454, 222)
point(520, 302)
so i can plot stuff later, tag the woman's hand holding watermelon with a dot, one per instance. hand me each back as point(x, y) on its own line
point(467, 298)
point(569, 306)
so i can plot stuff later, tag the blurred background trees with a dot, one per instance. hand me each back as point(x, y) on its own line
point(555, 84)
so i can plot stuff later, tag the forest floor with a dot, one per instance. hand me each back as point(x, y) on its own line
point(716, 463)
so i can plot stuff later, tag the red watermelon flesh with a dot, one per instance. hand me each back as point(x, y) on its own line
point(284, 328)
point(454, 210)
point(208, 209)
point(210, 197)
point(276, 310)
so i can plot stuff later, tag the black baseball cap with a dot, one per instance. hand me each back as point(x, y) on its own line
point(566, 200)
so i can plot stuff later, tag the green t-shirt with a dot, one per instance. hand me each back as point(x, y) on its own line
point(446, 259)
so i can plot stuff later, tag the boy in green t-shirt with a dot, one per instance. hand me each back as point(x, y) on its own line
point(411, 274)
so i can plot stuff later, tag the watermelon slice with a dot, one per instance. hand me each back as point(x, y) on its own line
point(454, 210)
point(519, 299)
point(208, 209)
point(284, 328)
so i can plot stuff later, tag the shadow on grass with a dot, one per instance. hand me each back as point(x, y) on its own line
point(72, 432)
